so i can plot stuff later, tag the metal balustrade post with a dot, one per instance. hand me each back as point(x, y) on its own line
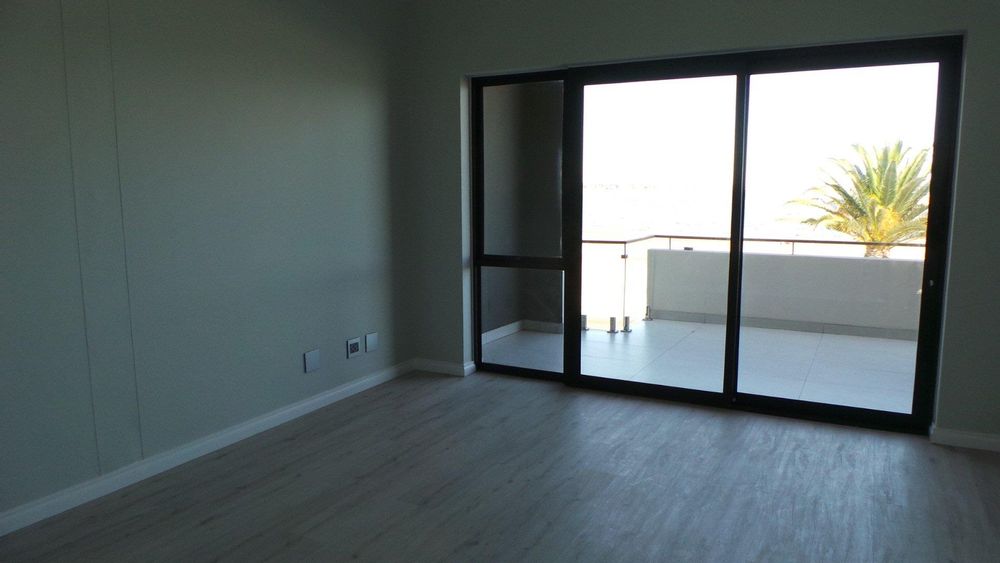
point(624, 280)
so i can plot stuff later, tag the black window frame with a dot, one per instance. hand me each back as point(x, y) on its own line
point(947, 51)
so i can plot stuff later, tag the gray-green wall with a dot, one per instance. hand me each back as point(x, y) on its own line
point(461, 37)
point(47, 419)
point(193, 194)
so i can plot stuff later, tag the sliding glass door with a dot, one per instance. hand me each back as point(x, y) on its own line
point(838, 171)
point(760, 230)
point(657, 198)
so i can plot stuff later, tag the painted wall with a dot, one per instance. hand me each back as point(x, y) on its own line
point(193, 194)
point(851, 292)
point(456, 38)
point(47, 430)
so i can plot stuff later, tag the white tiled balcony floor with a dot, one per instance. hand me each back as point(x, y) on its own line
point(874, 373)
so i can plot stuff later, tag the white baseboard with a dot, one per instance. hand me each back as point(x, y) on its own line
point(517, 326)
point(446, 368)
point(500, 332)
point(87, 491)
point(965, 439)
point(543, 326)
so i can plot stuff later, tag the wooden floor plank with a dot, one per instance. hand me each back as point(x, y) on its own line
point(495, 468)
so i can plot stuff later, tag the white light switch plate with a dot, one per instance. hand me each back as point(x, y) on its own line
point(310, 360)
point(371, 342)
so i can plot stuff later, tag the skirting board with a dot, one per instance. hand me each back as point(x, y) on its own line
point(446, 368)
point(543, 326)
point(965, 439)
point(501, 331)
point(61, 501)
point(517, 326)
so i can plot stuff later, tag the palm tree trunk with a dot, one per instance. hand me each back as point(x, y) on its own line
point(877, 251)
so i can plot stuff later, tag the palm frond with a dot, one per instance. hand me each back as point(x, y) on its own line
point(883, 200)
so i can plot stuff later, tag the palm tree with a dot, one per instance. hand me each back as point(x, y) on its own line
point(884, 200)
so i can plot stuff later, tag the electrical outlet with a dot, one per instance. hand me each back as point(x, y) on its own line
point(371, 342)
point(353, 347)
point(310, 360)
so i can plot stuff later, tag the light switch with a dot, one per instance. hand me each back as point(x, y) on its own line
point(310, 360)
point(371, 342)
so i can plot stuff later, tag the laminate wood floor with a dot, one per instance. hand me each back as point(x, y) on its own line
point(496, 468)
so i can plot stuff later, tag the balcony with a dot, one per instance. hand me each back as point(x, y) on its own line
point(819, 322)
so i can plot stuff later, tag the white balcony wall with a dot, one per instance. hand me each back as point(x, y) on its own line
point(802, 292)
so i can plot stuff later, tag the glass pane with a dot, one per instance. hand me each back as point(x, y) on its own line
point(657, 178)
point(522, 169)
point(838, 170)
point(522, 318)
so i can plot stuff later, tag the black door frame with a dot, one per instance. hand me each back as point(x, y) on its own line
point(947, 51)
point(480, 258)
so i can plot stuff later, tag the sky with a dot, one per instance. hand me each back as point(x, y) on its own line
point(658, 155)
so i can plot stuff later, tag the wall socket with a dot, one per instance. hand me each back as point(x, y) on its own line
point(353, 347)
